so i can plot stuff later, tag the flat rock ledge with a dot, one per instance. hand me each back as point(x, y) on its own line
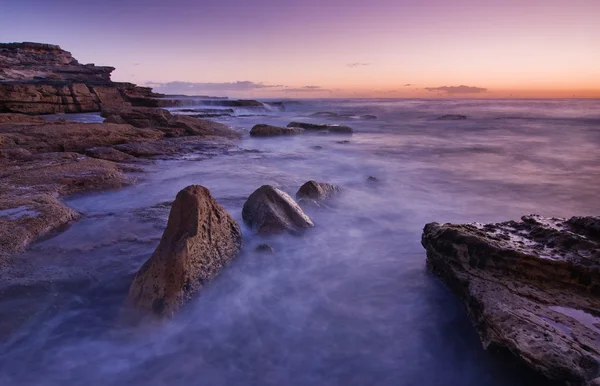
point(336, 129)
point(262, 130)
point(200, 239)
point(531, 287)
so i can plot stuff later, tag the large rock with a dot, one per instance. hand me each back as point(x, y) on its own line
point(45, 79)
point(270, 210)
point(318, 191)
point(200, 239)
point(530, 287)
point(338, 129)
point(171, 125)
point(262, 130)
point(74, 137)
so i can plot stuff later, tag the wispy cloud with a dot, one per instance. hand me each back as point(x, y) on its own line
point(357, 64)
point(307, 89)
point(177, 87)
point(408, 85)
point(462, 89)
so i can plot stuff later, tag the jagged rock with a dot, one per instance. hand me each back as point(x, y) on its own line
point(200, 239)
point(452, 117)
point(270, 210)
point(372, 179)
point(530, 287)
point(262, 130)
point(314, 190)
point(338, 129)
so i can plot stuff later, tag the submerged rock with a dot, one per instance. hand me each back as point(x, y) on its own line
point(270, 210)
point(531, 287)
point(262, 130)
point(200, 239)
point(265, 248)
point(317, 190)
point(338, 129)
point(452, 117)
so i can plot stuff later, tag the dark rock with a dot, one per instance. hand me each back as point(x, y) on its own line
point(530, 287)
point(372, 179)
point(270, 210)
point(262, 130)
point(317, 190)
point(201, 238)
point(343, 142)
point(265, 248)
point(317, 147)
point(452, 117)
point(338, 129)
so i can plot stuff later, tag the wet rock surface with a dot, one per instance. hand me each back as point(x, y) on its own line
point(337, 129)
point(262, 130)
point(314, 190)
point(270, 210)
point(531, 287)
point(452, 117)
point(200, 239)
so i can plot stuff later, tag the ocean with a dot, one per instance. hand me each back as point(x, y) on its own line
point(349, 302)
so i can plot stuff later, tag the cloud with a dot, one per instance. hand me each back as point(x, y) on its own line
point(357, 64)
point(408, 85)
point(307, 89)
point(462, 89)
point(177, 87)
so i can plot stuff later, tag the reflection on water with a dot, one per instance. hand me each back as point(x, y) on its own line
point(348, 303)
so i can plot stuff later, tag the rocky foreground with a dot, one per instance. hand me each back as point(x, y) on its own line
point(531, 287)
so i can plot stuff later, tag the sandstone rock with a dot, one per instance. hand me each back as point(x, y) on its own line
point(270, 210)
point(452, 117)
point(18, 119)
point(75, 137)
point(171, 125)
point(317, 190)
point(338, 129)
point(200, 239)
point(262, 130)
point(109, 154)
point(530, 287)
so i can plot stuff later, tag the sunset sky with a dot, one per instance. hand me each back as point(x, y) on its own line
point(328, 48)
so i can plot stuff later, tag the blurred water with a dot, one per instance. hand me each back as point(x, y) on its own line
point(348, 303)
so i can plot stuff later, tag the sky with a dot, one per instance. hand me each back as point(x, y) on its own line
point(327, 48)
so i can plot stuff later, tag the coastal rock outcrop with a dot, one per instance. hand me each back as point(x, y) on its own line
point(262, 130)
point(40, 78)
point(337, 129)
point(270, 210)
point(318, 191)
point(171, 125)
point(200, 239)
point(531, 287)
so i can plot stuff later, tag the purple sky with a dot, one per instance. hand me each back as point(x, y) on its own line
point(327, 47)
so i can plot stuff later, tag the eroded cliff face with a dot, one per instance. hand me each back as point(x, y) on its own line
point(40, 78)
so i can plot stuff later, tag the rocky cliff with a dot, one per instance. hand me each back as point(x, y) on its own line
point(40, 78)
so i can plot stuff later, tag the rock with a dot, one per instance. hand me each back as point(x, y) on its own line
point(265, 248)
point(368, 117)
point(270, 210)
point(74, 137)
point(262, 130)
point(343, 142)
point(317, 190)
point(325, 114)
point(200, 239)
point(45, 79)
point(372, 179)
point(171, 125)
point(452, 117)
point(231, 103)
point(109, 154)
point(317, 147)
point(530, 287)
point(338, 129)
point(202, 146)
point(18, 119)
